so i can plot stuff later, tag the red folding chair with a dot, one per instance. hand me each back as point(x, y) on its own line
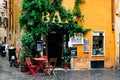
point(32, 68)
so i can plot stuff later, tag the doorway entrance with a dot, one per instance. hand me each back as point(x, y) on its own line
point(55, 40)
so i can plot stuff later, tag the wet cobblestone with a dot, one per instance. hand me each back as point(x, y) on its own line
point(12, 73)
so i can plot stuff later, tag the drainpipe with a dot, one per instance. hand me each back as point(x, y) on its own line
point(113, 14)
point(9, 27)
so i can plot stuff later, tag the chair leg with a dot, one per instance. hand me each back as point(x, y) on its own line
point(29, 72)
point(51, 71)
point(54, 73)
point(48, 71)
point(33, 72)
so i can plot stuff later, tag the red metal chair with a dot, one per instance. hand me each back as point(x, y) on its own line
point(31, 67)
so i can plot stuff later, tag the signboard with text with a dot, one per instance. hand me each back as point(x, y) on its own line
point(77, 39)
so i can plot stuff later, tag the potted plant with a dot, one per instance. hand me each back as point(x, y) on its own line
point(66, 58)
point(23, 62)
point(28, 44)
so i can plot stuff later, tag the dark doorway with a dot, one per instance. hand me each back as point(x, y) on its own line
point(97, 64)
point(55, 46)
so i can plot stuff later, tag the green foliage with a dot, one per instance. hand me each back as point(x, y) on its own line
point(37, 18)
point(33, 11)
point(28, 43)
point(77, 11)
point(62, 12)
point(23, 56)
point(79, 1)
point(76, 29)
point(28, 40)
point(66, 55)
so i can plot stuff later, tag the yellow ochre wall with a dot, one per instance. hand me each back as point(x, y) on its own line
point(13, 33)
point(13, 22)
point(97, 17)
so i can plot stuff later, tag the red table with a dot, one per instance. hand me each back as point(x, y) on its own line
point(40, 62)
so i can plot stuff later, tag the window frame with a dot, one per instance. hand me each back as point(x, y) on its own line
point(103, 42)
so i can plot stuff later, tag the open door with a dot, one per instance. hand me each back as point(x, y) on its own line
point(54, 40)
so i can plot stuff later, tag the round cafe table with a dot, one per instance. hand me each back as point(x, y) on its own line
point(40, 62)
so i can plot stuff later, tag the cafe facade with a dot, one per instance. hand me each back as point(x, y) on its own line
point(95, 49)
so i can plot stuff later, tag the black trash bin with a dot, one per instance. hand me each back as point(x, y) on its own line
point(12, 55)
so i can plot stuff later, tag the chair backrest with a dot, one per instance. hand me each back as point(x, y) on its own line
point(53, 61)
point(28, 61)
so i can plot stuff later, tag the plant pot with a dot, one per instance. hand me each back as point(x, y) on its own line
point(66, 65)
point(23, 69)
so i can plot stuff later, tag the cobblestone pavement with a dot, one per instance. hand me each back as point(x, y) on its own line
point(12, 73)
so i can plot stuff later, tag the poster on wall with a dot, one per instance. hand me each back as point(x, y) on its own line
point(77, 39)
point(39, 45)
point(86, 45)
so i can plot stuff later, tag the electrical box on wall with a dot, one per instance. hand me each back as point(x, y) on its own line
point(73, 51)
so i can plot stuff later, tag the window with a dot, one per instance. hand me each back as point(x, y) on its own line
point(98, 43)
point(86, 45)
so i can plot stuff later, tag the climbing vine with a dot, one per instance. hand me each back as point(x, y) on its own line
point(43, 15)
point(77, 11)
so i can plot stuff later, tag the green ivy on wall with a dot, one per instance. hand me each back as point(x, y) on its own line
point(40, 16)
